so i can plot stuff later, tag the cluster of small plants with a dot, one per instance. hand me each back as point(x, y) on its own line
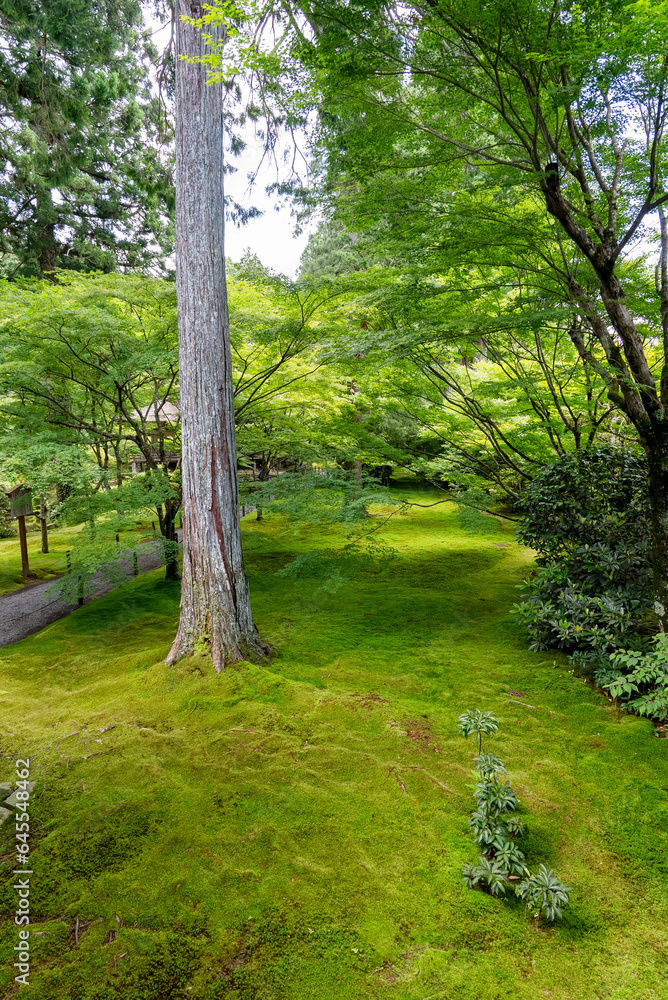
point(502, 865)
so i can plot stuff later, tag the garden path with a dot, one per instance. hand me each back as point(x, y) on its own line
point(26, 611)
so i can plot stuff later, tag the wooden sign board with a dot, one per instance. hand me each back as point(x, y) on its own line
point(20, 498)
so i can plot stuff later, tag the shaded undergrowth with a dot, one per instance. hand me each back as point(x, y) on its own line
point(298, 829)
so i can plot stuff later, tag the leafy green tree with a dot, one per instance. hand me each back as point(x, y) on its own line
point(111, 538)
point(6, 529)
point(281, 334)
point(497, 386)
point(552, 117)
point(294, 395)
point(302, 426)
point(84, 183)
point(44, 464)
point(94, 358)
point(558, 110)
point(92, 363)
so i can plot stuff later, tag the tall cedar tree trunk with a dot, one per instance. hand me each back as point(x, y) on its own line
point(215, 602)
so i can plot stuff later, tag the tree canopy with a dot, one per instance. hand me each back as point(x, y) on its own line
point(85, 182)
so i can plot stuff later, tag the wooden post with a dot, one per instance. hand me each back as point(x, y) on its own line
point(21, 506)
point(25, 568)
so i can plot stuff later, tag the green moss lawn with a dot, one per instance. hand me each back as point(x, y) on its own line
point(296, 831)
point(44, 565)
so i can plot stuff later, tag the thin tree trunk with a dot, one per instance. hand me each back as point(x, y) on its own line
point(167, 518)
point(215, 603)
point(119, 466)
point(47, 247)
point(264, 478)
point(359, 466)
point(657, 461)
point(42, 525)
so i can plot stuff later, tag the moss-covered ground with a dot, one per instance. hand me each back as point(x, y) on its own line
point(43, 565)
point(296, 831)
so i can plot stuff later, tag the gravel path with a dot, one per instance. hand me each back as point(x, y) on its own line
point(27, 611)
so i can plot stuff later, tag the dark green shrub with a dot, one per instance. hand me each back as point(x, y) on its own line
point(587, 517)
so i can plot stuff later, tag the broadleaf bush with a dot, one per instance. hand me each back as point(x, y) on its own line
point(544, 893)
point(639, 679)
point(587, 517)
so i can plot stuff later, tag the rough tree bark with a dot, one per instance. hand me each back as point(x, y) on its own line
point(215, 602)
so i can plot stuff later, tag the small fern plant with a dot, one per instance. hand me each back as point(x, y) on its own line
point(495, 829)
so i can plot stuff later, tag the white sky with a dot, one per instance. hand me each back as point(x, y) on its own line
point(271, 237)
